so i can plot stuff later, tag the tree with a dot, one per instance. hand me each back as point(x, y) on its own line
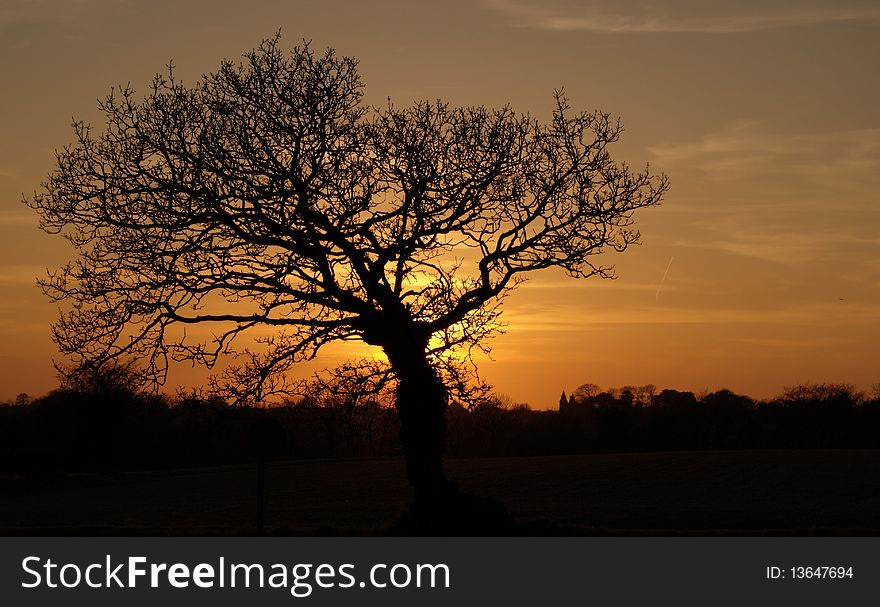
point(585, 391)
point(114, 376)
point(268, 196)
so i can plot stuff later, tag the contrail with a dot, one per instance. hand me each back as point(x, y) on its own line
point(662, 280)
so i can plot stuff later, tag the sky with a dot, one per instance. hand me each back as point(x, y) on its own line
point(760, 270)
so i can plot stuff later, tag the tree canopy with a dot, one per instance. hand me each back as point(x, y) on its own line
point(268, 195)
point(267, 199)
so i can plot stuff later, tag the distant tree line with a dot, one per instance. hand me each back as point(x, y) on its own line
point(113, 430)
point(104, 424)
point(644, 419)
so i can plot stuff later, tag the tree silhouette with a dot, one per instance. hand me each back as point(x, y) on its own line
point(268, 196)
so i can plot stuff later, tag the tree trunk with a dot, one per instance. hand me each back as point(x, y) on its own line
point(421, 405)
point(439, 507)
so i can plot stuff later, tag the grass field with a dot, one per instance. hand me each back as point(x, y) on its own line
point(820, 492)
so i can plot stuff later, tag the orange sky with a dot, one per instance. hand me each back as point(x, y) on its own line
point(764, 115)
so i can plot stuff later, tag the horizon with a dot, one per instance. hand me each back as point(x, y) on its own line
point(760, 270)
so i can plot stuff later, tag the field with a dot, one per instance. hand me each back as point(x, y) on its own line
point(815, 492)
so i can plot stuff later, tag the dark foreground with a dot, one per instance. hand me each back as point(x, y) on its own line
point(809, 492)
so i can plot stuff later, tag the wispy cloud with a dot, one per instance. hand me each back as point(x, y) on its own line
point(575, 317)
point(788, 198)
point(17, 12)
point(749, 145)
point(540, 283)
point(13, 218)
point(593, 18)
point(777, 245)
point(16, 275)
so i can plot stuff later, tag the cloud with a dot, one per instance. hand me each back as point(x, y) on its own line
point(788, 198)
point(13, 218)
point(748, 145)
point(17, 12)
point(774, 244)
point(563, 319)
point(597, 20)
point(812, 165)
point(538, 283)
point(21, 275)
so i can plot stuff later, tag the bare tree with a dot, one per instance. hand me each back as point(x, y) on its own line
point(585, 391)
point(268, 196)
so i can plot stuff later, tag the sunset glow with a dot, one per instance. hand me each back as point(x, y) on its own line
point(760, 270)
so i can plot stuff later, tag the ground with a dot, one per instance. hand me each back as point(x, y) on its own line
point(815, 492)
